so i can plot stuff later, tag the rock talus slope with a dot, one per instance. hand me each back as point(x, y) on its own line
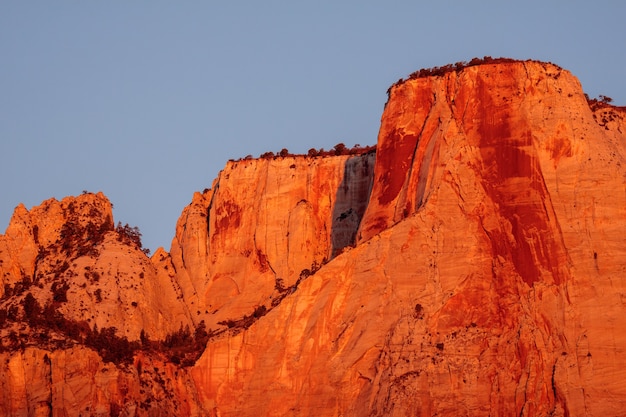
point(474, 265)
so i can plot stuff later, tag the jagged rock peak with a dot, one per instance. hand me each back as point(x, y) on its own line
point(72, 224)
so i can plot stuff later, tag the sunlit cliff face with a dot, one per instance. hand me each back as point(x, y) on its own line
point(471, 265)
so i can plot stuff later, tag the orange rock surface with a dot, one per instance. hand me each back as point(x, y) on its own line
point(261, 224)
point(472, 265)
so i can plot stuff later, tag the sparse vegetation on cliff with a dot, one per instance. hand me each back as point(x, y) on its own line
point(604, 111)
point(338, 149)
point(341, 149)
point(49, 329)
point(457, 67)
point(77, 239)
point(130, 236)
point(280, 292)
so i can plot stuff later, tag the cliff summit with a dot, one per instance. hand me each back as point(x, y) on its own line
point(472, 263)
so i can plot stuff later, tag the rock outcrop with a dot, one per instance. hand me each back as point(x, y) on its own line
point(70, 257)
point(472, 265)
point(263, 225)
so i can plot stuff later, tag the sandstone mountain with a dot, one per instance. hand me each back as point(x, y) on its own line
point(472, 264)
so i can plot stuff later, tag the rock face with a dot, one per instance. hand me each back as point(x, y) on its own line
point(472, 265)
point(263, 225)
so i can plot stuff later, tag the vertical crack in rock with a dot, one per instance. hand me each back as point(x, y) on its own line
point(403, 207)
point(48, 363)
point(427, 166)
point(467, 307)
point(351, 200)
point(215, 189)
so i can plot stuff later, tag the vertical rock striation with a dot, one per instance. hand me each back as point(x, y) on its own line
point(262, 225)
point(473, 288)
point(472, 265)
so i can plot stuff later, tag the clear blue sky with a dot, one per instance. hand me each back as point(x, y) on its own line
point(147, 100)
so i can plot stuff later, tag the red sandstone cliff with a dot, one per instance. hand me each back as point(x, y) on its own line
point(473, 265)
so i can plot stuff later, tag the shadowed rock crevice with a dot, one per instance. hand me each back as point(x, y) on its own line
point(484, 281)
point(351, 201)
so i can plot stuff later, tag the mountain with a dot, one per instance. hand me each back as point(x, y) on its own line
point(471, 264)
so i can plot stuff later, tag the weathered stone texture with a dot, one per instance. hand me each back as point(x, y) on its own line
point(473, 265)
